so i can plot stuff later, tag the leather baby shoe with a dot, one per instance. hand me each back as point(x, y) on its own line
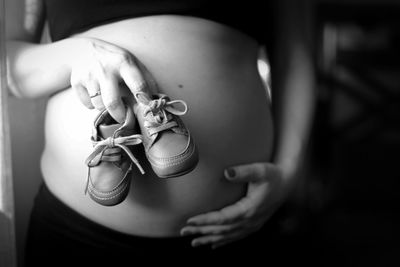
point(168, 145)
point(110, 164)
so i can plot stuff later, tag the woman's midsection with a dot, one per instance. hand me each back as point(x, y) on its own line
point(212, 68)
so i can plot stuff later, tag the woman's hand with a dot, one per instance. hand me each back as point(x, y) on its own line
point(266, 191)
point(97, 72)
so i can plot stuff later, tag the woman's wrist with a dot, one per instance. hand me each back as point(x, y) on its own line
point(77, 48)
point(289, 157)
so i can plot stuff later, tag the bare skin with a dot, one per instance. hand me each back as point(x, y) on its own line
point(236, 186)
point(203, 78)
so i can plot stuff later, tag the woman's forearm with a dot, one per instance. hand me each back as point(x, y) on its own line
point(36, 70)
point(297, 103)
point(294, 85)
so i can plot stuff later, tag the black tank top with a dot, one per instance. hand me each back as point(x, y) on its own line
point(67, 17)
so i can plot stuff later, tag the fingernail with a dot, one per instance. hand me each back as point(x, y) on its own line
point(230, 173)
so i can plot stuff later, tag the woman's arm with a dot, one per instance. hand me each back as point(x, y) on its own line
point(34, 69)
point(88, 65)
point(37, 70)
point(293, 84)
point(24, 23)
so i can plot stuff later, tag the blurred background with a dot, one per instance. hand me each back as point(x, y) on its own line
point(346, 208)
point(346, 211)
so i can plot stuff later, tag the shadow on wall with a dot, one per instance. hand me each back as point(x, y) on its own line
point(27, 141)
point(6, 254)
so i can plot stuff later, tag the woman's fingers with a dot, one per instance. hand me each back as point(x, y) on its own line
point(254, 172)
point(111, 97)
point(206, 240)
point(102, 92)
point(229, 214)
point(133, 77)
point(93, 89)
point(217, 239)
point(210, 229)
point(219, 235)
point(101, 70)
point(83, 95)
point(264, 195)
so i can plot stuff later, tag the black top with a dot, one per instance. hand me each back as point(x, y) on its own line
point(67, 17)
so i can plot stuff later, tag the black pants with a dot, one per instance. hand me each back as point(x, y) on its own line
point(59, 236)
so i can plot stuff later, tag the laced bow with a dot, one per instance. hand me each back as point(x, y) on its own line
point(109, 150)
point(160, 109)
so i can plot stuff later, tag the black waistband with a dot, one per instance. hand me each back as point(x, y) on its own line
point(57, 232)
point(51, 211)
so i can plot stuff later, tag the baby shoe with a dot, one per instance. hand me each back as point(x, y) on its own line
point(110, 164)
point(168, 145)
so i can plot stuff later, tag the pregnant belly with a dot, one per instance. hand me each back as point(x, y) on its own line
point(215, 72)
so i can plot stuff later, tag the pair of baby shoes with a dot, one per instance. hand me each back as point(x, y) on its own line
point(152, 121)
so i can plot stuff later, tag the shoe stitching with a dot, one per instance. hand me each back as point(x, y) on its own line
point(124, 180)
point(111, 143)
point(156, 115)
point(187, 156)
point(176, 157)
point(92, 193)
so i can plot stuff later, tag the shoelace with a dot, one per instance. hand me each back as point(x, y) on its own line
point(162, 120)
point(109, 150)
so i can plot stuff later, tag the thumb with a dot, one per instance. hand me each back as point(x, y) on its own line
point(254, 172)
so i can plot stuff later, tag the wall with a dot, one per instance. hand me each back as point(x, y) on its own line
point(26, 128)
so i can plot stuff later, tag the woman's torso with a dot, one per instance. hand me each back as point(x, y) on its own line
point(211, 67)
